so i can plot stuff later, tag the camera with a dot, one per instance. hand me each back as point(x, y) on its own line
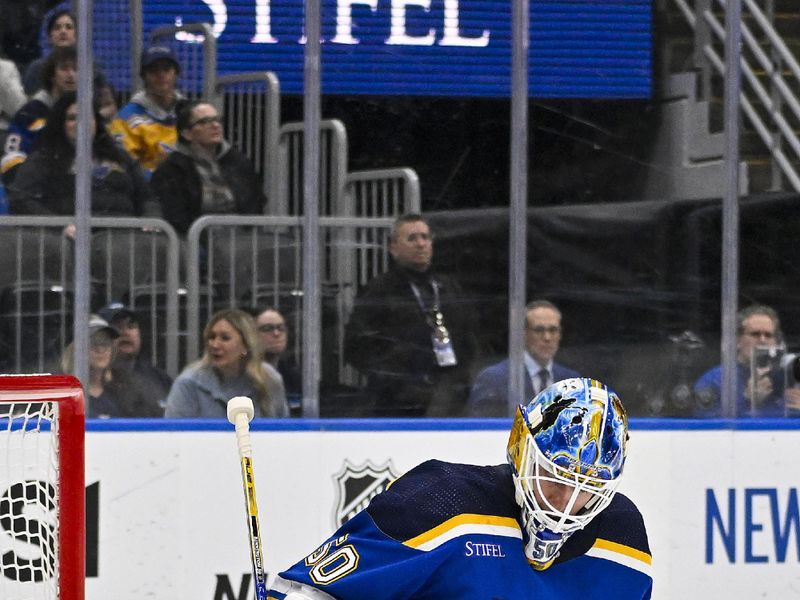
point(671, 394)
point(766, 363)
point(790, 363)
point(768, 357)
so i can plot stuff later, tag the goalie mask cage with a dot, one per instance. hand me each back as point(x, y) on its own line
point(42, 497)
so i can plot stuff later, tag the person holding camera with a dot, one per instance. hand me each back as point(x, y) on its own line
point(760, 378)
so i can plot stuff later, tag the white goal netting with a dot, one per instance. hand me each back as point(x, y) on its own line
point(29, 499)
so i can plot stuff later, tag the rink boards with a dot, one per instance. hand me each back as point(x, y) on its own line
point(721, 504)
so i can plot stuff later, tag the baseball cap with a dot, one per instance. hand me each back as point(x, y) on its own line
point(155, 53)
point(98, 323)
point(116, 310)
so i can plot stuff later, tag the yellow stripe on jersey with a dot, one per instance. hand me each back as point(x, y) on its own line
point(624, 555)
point(463, 525)
point(622, 549)
point(539, 566)
point(11, 161)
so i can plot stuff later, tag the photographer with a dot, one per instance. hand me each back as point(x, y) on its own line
point(760, 378)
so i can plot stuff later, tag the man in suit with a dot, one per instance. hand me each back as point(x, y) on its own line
point(489, 395)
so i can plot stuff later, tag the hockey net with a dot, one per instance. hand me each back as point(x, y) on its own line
point(42, 497)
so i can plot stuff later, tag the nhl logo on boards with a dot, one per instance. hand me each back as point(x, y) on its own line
point(357, 485)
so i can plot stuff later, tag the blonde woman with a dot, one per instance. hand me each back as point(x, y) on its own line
point(231, 366)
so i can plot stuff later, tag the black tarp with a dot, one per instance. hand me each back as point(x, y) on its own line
point(627, 277)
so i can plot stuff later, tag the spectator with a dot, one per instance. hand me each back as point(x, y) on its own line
point(59, 77)
point(759, 389)
point(45, 183)
point(151, 381)
point(274, 337)
point(231, 366)
point(61, 32)
point(111, 393)
point(205, 174)
point(411, 331)
point(146, 125)
point(106, 100)
point(20, 28)
point(12, 97)
point(489, 395)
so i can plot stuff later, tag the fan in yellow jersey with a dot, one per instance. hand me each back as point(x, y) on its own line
point(146, 125)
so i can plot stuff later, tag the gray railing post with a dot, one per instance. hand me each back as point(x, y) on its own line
point(257, 138)
point(137, 31)
point(702, 40)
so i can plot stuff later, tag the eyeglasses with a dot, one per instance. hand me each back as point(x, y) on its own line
point(206, 121)
point(768, 335)
point(541, 329)
point(270, 328)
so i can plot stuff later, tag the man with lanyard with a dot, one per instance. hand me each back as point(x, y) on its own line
point(411, 331)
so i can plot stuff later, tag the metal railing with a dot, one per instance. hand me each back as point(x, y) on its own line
point(381, 193)
point(197, 56)
point(250, 103)
point(765, 56)
point(133, 260)
point(332, 171)
point(231, 261)
point(122, 20)
point(253, 262)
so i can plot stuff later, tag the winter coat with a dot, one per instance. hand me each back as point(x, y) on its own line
point(178, 185)
point(42, 187)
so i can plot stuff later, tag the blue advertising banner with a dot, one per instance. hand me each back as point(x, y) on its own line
point(578, 48)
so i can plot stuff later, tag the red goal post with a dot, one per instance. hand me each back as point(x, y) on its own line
point(42, 495)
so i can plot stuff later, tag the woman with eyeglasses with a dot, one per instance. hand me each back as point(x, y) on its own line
point(205, 174)
point(45, 182)
point(273, 335)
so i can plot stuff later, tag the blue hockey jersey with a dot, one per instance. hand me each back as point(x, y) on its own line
point(23, 131)
point(446, 531)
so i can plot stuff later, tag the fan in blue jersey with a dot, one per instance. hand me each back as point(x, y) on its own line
point(548, 525)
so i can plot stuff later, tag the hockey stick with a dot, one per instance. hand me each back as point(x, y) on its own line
point(240, 413)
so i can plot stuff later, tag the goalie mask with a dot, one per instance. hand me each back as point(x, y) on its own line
point(566, 450)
